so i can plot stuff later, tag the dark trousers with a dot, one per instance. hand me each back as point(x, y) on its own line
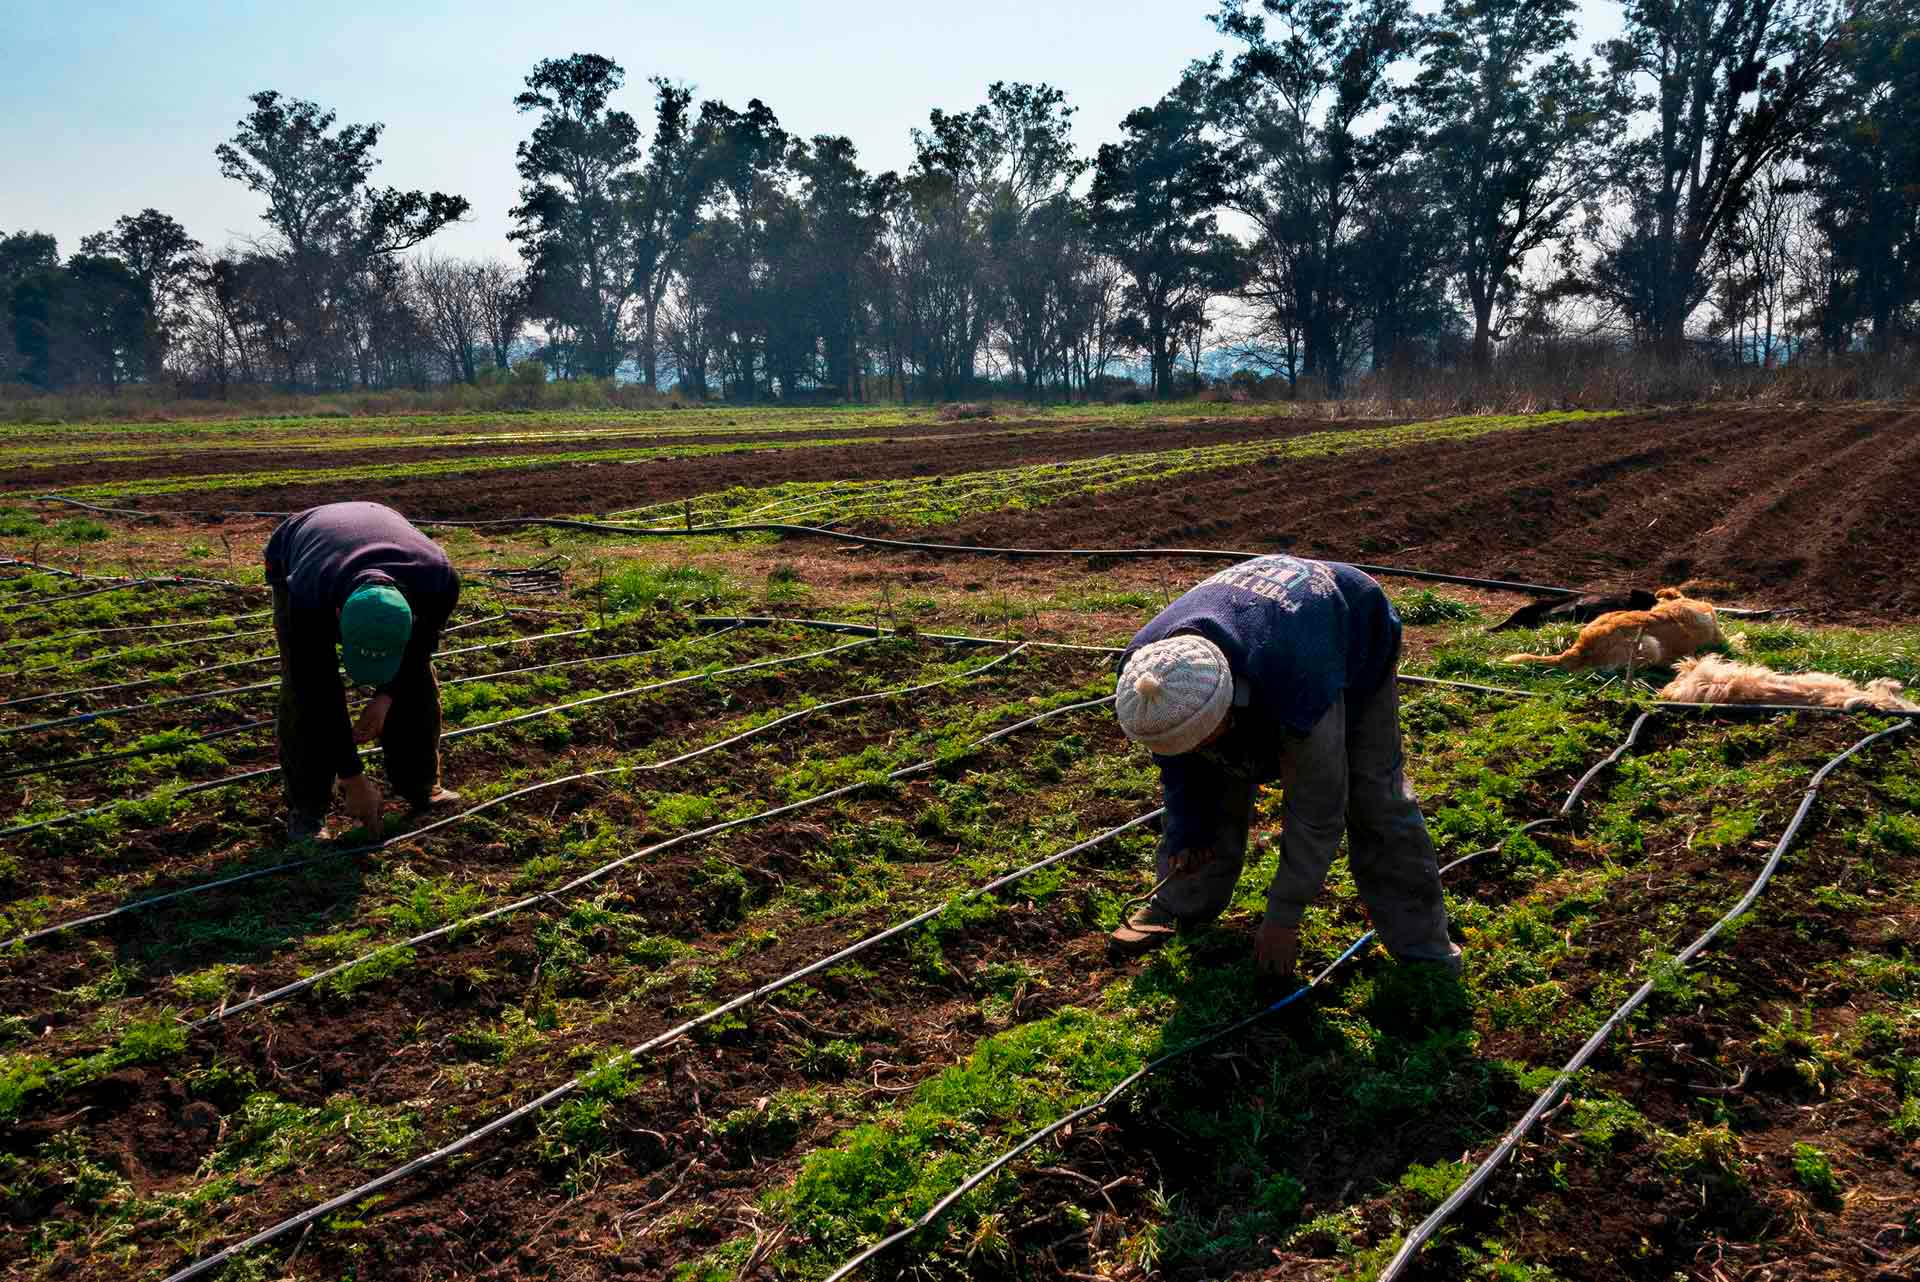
point(312, 701)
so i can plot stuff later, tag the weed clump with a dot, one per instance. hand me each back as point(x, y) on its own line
point(1424, 607)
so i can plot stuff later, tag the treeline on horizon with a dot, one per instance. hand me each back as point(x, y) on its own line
point(1350, 187)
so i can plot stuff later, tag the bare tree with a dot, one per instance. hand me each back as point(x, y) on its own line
point(448, 294)
point(501, 293)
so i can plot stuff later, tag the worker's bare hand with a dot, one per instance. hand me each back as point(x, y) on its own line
point(363, 802)
point(1185, 863)
point(1275, 949)
point(373, 718)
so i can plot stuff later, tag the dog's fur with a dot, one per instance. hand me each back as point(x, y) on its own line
point(1712, 679)
point(1674, 628)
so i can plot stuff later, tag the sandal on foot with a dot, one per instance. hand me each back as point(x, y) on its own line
point(1143, 932)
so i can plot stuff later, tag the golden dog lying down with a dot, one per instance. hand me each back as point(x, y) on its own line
point(1712, 679)
point(1675, 627)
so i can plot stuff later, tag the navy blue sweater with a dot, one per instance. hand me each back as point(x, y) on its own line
point(1297, 635)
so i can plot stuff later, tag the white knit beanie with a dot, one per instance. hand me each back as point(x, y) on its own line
point(1173, 694)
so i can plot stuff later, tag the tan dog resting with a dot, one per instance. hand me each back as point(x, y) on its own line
point(1712, 679)
point(1675, 627)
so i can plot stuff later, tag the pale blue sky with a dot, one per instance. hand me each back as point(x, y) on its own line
point(108, 108)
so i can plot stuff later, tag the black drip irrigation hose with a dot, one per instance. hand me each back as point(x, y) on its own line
point(904, 545)
point(168, 581)
point(99, 758)
point(79, 718)
point(1427, 1228)
point(18, 642)
point(984, 1173)
point(680, 1030)
point(110, 656)
point(482, 728)
point(353, 852)
point(544, 897)
point(251, 662)
point(1407, 678)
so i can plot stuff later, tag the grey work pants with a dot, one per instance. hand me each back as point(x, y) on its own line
point(1347, 773)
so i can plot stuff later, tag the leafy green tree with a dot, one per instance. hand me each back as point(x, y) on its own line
point(1153, 203)
point(332, 226)
point(1516, 130)
point(159, 253)
point(745, 165)
point(22, 254)
point(845, 211)
point(1298, 104)
point(81, 323)
point(1730, 86)
point(667, 196)
point(1864, 168)
point(574, 220)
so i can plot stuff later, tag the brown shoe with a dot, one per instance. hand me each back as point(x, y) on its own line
point(1143, 932)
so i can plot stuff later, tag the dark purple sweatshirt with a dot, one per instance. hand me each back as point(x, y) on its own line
point(319, 557)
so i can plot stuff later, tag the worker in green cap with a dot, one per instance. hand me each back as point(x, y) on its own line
point(361, 575)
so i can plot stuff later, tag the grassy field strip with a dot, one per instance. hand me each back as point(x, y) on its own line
point(952, 496)
point(216, 481)
point(746, 418)
point(122, 452)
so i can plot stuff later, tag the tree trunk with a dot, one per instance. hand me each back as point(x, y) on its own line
point(1483, 334)
point(650, 343)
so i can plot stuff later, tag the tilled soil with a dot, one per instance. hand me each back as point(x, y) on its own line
point(577, 486)
point(1805, 508)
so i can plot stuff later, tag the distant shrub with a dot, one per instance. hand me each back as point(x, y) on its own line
point(964, 410)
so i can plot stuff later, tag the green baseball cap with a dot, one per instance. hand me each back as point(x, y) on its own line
point(374, 626)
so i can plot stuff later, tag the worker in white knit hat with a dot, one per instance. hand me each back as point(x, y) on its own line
point(1280, 669)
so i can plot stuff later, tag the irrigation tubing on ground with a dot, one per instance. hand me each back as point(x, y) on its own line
point(99, 758)
point(904, 545)
point(56, 598)
point(673, 1034)
point(1427, 1228)
point(448, 820)
point(1406, 677)
point(131, 709)
point(253, 662)
point(587, 878)
point(483, 727)
point(57, 637)
point(872, 630)
point(984, 1173)
point(109, 656)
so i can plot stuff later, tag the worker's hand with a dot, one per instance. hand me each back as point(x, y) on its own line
point(1275, 949)
point(1185, 863)
point(363, 802)
point(373, 718)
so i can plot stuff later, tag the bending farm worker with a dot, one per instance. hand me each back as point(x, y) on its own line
point(1280, 668)
point(358, 574)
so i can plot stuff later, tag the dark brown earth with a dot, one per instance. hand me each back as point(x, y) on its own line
point(1805, 508)
point(575, 487)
